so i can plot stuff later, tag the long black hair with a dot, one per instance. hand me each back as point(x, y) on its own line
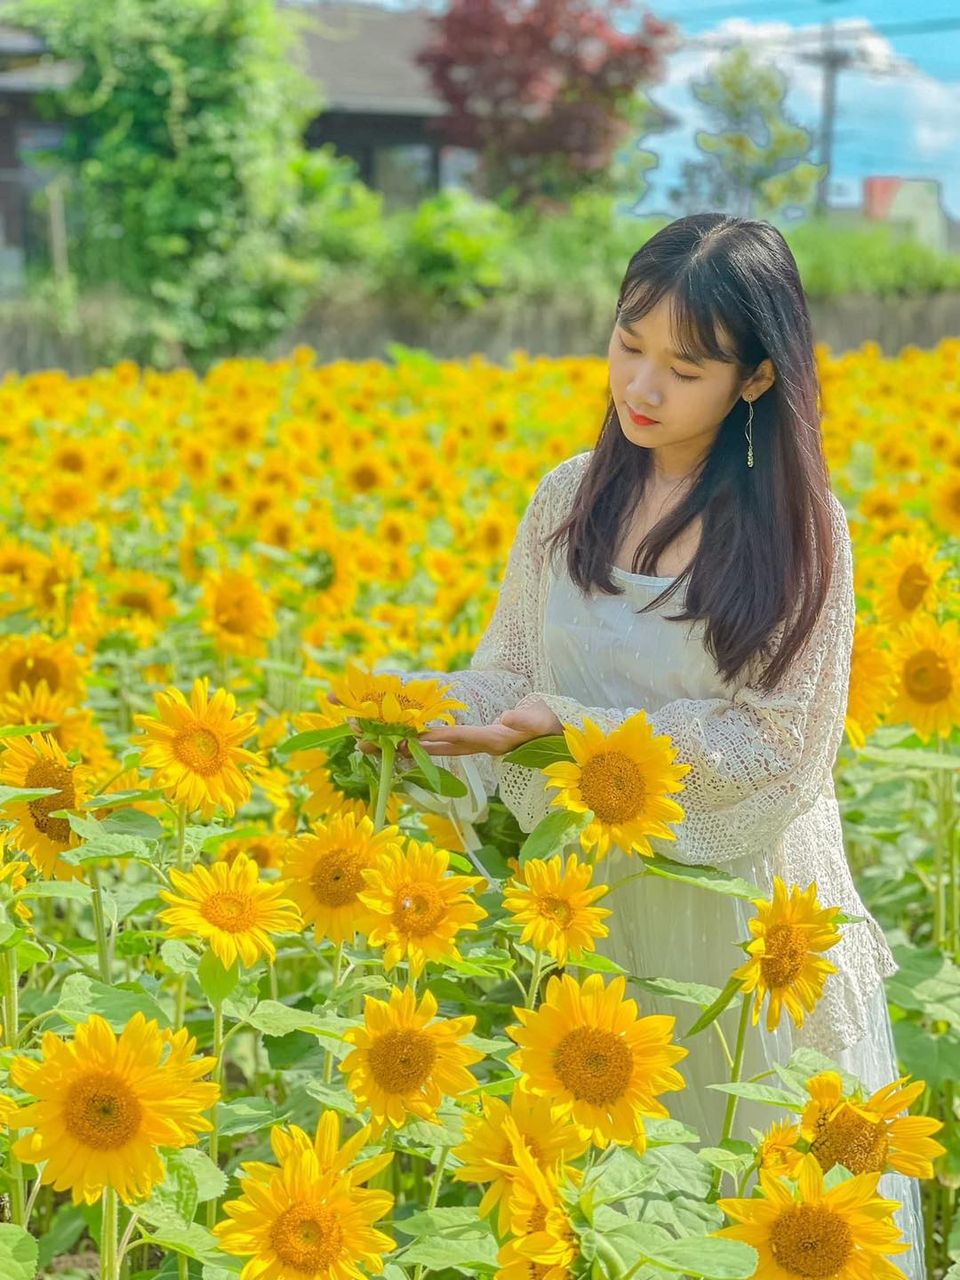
point(766, 547)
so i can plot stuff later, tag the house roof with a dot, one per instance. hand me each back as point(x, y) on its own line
point(362, 56)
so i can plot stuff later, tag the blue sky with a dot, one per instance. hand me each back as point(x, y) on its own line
point(901, 119)
point(904, 124)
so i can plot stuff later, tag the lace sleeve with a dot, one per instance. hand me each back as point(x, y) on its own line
point(758, 759)
point(501, 669)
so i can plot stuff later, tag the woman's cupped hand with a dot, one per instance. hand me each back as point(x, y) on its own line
point(510, 730)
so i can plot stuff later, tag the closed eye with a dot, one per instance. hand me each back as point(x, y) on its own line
point(683, 377)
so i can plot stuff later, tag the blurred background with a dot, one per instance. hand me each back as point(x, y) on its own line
point(182, 180)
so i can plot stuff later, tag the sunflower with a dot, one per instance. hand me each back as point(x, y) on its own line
point(326, 796)
point(195, 748)
point(788, 932)
point(325, 1143)
point(487, 1152)
point(926, 656)
point(382, 700)
point(323, 874)
point(400, 1066)
point(553, 905)
point(840, 1234)
point(871, 682)
point(779, 1152)
point(105, 1103)
point(36, 657)
point(231, 907)
point(301, 1220)
point(419, 908)
point(267, 849)
point(909, 577)
point(11, 873)
point(36, 760)
point(870, 1135)
point(945, 504)
point(586, 1050)
point(239, 614)
point(622, 777)
point(544, 1243)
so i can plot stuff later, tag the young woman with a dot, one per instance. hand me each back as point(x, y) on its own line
point(705, 577)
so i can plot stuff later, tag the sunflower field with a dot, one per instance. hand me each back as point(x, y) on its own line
point(264, 1013)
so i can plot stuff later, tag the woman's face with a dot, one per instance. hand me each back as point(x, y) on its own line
point(687, 400)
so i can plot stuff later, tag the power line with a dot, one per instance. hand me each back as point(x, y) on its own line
point(815, 35)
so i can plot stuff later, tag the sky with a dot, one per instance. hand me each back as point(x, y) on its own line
point(897, 117)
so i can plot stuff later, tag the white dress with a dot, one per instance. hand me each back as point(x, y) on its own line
point(760, 799)
point(604, 654)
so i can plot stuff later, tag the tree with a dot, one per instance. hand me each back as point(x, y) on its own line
point(755, 163)
point(542, 90)
point(187, 168)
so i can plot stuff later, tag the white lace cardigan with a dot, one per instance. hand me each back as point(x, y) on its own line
point(762, 775)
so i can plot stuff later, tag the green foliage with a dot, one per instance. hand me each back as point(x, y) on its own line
point(190, 186)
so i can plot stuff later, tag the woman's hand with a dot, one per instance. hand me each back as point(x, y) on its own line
point(509, 731)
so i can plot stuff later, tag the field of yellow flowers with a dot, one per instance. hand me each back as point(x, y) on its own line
point(264, 1016)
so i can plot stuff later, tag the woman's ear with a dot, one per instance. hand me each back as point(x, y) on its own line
point(760, 380)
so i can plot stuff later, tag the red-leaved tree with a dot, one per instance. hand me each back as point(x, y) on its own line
point(540, 89)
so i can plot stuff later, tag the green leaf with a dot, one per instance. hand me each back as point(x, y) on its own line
point(178, 957)
point(704, 877)
point(18, 1253)
point(55, 889)
point(217, 982)
point(448, 785)
point(62, 1234)
point(594, 961)
point(735, 1162)
point(276, 1019)
point(710, 1258)
point(726, 996)
point(80, 996)
point(552, 833)
point(538, 753)
point(313, 738)
point(912, 759)
point(926, 981)
point(698, 993)
point(456, 1220)
point(25, 793)
point(761, 1093)
point(467, 1253)
point(426, 762)
point(247, 1115)
point(194, 1241)
point(18, 730)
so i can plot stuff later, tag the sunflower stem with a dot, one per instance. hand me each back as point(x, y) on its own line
point(213, 1149)
point(11, 1023)
point(181, 832)
point(109, 1258)
point(434, 1196)
point(337, 964)
point(100, 925)
point(735, 1074)
point(534, 980)
point(387, 755)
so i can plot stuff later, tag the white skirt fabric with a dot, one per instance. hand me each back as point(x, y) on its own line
point(666, 929)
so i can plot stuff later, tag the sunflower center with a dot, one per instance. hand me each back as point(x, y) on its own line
point(401, 1060)
point(418, 909)
point(811, 1240)
point(912, 586)
point(785, 953)
point(30, 671)
point(336, 879)
point(307, 1238)
point(49, 773)
point(927, 677)
point(136, 600)
point(593, 1064)
point(854, 1141)
point(556, 909)
point(229, 910)
point(259, 852)
point(101, 1112)
point(200, 750)
point(612, 786)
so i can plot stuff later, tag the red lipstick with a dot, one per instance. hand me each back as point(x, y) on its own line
point(639, 420)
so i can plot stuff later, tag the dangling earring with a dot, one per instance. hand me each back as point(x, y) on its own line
point(749, 434)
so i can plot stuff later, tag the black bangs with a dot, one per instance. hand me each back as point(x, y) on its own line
point(696, 314)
